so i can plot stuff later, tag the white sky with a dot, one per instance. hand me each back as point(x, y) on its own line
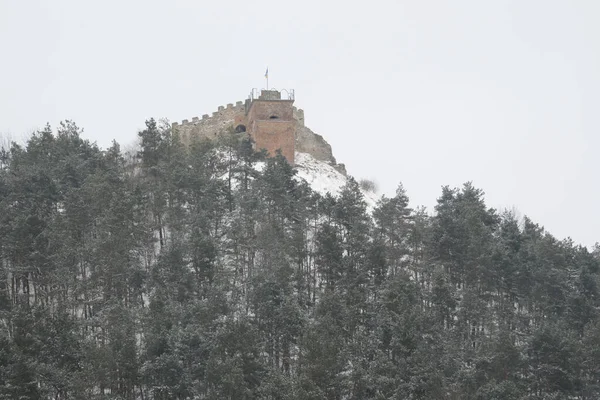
point(503, 93)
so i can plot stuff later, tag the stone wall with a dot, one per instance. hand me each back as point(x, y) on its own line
point(298, 115)
point(230, 116)
point(209, 126)
point(309, 142)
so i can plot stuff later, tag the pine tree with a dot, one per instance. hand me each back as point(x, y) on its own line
point(208, 271)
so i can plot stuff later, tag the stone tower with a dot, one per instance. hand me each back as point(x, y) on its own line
point(269, 120)
point(268, 117)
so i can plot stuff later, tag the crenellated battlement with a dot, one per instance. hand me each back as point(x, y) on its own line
point(268, 116)
point(229, 113)
point(206, 118)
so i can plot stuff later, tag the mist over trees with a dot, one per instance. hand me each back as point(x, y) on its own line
point(209, 272)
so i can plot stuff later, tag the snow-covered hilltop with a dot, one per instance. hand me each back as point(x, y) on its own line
point(274, 124)
point(324, 178)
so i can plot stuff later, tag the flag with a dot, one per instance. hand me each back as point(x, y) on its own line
point(267, 73)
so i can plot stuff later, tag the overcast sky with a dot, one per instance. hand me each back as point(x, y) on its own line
point(429, 93)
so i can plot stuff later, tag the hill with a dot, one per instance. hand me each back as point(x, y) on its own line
point(206, 270)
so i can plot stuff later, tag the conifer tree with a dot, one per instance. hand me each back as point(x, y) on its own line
point(207, 271)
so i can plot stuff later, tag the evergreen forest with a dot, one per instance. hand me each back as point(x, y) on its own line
point(209, 271)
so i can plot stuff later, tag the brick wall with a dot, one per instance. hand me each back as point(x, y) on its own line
point(272, 125)
point(265, 109)
point(287, 132)
point(273, 135)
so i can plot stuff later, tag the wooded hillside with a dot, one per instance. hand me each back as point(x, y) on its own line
point(210, 272)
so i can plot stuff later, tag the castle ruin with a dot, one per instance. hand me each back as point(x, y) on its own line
point(270, 119)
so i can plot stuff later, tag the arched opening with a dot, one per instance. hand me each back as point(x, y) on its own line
point(273, 117)
point(240, 128)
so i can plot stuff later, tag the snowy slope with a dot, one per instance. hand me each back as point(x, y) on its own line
point(323, 178)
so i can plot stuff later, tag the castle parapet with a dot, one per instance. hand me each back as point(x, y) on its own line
point(272, 94)
point(269, 95)
point(267, 115)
